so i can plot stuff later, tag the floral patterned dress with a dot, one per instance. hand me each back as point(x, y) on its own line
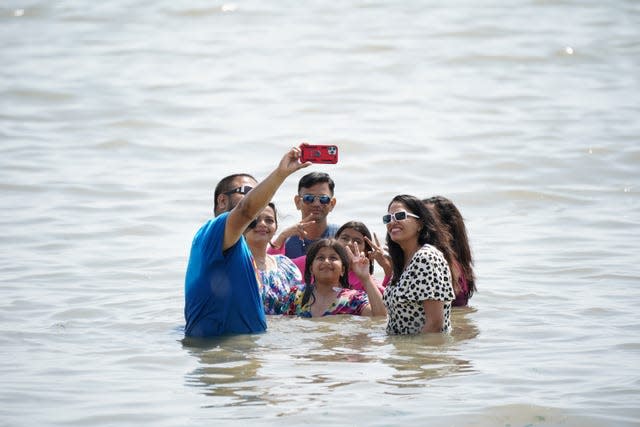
point(348, 301)
point(276, 284)
point(427, 277)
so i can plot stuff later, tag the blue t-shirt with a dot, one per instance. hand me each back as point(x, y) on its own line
point(295, 247)
point(221, 289)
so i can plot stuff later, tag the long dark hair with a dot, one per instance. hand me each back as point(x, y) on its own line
point(311, 256)
point(453, 220)
point(362, 229)
point(432, 232)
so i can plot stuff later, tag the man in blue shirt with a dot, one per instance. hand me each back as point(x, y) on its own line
point(221, 287)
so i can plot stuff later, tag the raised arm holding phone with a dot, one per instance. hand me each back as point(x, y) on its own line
point(221, 290)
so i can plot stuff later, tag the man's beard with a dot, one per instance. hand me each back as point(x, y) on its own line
point(232, 204)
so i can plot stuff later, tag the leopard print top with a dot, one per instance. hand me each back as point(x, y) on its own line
point(427, 277)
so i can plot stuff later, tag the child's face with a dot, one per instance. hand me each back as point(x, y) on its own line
point(327, 266)
point(352, 238)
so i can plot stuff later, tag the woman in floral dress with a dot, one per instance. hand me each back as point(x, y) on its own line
point(276, 274)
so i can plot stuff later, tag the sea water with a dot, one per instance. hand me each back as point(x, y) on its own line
point(118, 118)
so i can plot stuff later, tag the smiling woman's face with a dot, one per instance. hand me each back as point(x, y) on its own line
point(265, 227)
point(404, 230)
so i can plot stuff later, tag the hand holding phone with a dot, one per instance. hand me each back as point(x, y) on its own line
point(319, 153)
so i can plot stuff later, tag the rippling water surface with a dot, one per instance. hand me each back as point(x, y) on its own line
point(118, 118)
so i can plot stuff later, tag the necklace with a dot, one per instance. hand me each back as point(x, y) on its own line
point(263, 264)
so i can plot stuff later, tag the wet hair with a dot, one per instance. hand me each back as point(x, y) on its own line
point(311, 256)
point(362, 229)
point(313, 178)
point(453, 220)
point(432, 232)
point(254, 223)
point(224, 185)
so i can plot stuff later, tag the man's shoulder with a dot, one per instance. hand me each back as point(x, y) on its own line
point(218, 221)
point(212, 228)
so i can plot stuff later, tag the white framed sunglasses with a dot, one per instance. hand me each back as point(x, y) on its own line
point(397, 216)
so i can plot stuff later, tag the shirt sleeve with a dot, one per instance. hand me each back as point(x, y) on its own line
point(351, 301)
point(429, 276)
point(292, 302)
point(290, 269)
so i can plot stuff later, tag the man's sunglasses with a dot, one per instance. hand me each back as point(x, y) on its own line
point(240, 190)
point(310, 198)
point(397, 216)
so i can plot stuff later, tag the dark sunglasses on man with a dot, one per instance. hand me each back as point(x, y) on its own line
point(244, 189)
point(310, 198)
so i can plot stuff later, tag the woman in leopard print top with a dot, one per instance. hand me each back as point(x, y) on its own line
point(418, 299)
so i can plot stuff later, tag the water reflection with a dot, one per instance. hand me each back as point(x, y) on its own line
point(421, 358)
point(298, 359)
point(343, 339)
point(228, 368)
point(463, 326)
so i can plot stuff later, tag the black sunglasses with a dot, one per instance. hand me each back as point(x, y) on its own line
point(244, 189)
point(310, 198)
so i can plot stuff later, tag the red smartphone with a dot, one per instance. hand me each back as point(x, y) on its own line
point(318, 153)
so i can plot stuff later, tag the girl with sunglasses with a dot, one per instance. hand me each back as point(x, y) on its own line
point(451, 218)
point(276, 273)
point(326, 290)
point(418, 298)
